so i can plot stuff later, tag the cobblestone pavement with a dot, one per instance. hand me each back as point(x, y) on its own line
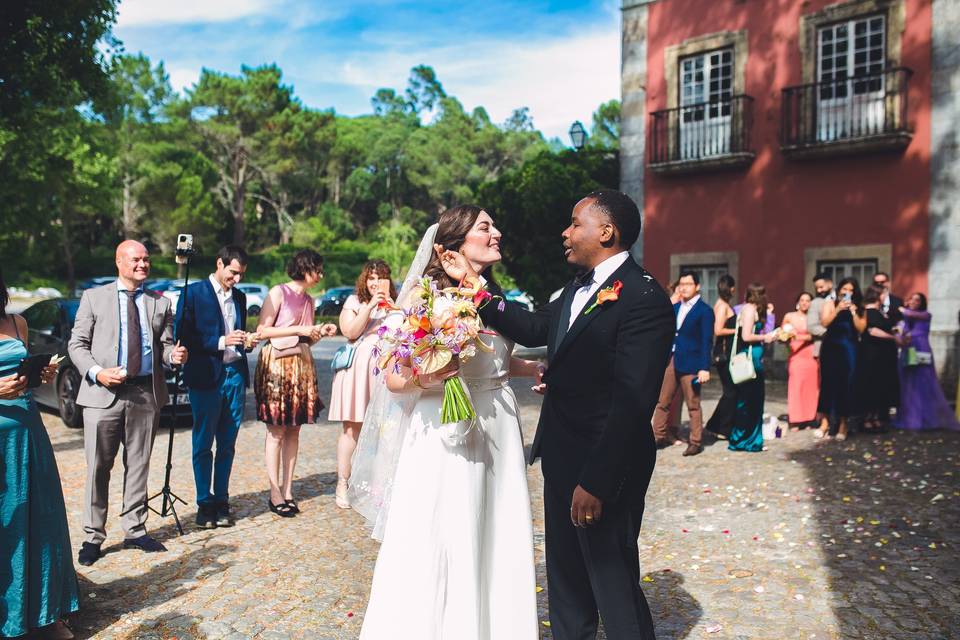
point(806, 540)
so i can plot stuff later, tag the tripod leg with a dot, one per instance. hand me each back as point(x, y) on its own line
point(176, 518)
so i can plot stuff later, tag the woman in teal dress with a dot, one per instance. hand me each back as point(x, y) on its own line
point(747, 431)
point(38, 586)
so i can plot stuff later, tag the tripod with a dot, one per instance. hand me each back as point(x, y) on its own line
point(170, 499)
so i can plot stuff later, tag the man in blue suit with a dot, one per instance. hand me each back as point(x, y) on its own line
point(689, 365)
point(211, 317)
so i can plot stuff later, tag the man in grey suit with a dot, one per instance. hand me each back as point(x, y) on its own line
point(122, 337)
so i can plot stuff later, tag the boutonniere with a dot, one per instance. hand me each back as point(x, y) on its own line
point(608, 294)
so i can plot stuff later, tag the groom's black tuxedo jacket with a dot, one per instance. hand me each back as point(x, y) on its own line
point(603, 380)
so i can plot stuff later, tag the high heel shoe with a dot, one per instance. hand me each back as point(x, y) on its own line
point(281, 509)
point(341, 495)
point(293, 506)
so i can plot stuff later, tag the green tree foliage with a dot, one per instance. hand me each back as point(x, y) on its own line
point(605, 131)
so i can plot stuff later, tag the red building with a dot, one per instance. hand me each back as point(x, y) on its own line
point(772, 139)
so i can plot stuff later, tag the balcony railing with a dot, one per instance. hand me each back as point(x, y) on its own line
point(847, 115)
point(708, 135)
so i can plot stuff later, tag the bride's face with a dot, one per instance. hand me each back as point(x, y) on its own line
point(481, 245)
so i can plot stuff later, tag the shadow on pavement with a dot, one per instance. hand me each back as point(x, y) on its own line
point(105, 603)
point(887, 508)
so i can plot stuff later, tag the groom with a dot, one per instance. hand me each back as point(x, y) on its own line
point(609, 337)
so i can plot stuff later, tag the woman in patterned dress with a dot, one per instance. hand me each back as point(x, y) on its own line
point(286, 382)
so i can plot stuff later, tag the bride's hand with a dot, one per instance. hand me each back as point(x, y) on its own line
point(437, 378)
point(454, 263)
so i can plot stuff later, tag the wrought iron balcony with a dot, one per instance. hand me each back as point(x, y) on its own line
point(844, 115)
point(700, 137)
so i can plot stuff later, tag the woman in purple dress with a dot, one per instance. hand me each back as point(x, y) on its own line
point(922, 404)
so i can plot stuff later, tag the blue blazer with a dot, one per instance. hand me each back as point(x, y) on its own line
point(693, 343)
point(199, 327)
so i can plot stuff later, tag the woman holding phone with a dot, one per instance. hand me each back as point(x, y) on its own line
point(845, 319)
point(39, 583)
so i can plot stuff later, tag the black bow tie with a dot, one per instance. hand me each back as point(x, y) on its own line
point(583, 279)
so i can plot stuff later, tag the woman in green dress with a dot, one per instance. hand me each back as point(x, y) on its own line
point(38, 586)
point(747, 431)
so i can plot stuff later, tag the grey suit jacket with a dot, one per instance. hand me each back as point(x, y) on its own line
point(96, 341)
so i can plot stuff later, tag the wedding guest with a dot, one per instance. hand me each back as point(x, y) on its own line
point(747, 431)
point(121, 340)
point(212, 317)
point(724, 324)
point(689, 365)
point(362, 315)
point(845, 319)
point(803, 370)
point(823, 286)
point(286, 380)
point(922, 403)
point(39, 585)
point(877, 382)
point(889, 303)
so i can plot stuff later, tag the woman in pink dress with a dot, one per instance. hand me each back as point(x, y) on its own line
point(285, 383)
point(362, 315)
point(803, 370)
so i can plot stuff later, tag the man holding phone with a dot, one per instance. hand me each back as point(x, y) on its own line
point(210, 322)
point(121, 340)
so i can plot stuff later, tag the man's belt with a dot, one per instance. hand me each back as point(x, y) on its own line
point(140, 381)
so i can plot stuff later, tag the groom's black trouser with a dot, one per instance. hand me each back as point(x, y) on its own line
point(595, 568)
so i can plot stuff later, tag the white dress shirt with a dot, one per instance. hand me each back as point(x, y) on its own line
point(587, 292)
point(685, 308)
point(228, 311)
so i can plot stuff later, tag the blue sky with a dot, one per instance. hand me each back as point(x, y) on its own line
point(560, 59)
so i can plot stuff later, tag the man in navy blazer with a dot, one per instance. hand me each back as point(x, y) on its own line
point(689, 365)
point(211, 318)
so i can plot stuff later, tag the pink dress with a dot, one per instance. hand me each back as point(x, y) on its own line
point(352, 387)
point(803, 371)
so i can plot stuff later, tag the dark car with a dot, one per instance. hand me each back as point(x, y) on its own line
point(92, 283)
point(51, 323)
point(331, 302)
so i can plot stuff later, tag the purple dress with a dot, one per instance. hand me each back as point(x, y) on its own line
point(922, 404)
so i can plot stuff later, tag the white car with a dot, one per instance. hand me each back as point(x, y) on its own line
point(256, 294)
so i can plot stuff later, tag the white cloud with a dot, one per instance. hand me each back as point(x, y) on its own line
point(150, 13)
point(560, 79)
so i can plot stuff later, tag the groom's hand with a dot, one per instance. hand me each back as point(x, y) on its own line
point(586, 508)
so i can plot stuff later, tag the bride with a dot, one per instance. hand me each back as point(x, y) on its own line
point(451, 505)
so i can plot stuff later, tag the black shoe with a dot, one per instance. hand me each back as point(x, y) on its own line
point(224, 519)
point(292, 504)
point(692, 450)
point(144, 543)
point(206, 517)
point(89, 553)
point(281, 509)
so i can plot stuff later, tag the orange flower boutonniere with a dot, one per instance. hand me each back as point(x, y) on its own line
point(608, 294)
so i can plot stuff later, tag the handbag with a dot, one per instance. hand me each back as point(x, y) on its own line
point(343, 357)
point(916, 358)
point(292, 345)
point(741, 364)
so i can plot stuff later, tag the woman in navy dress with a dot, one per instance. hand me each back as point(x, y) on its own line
point(845, 319)
point(38, 586)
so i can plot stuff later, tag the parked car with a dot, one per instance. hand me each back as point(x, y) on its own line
point(92, 283)
point(256, 295)
point(173, 292)
point(515, 295)
point(331, 302)
point(51, 322)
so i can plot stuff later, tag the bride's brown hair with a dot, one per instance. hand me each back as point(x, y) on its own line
point(453, 226)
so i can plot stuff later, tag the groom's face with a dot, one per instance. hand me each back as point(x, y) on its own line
point(590, 231)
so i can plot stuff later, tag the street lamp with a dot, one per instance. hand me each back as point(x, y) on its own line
point(578, 135)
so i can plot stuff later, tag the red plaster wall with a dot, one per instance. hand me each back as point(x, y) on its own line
point(776, 208)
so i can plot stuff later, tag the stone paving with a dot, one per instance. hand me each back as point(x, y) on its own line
point(806, 540)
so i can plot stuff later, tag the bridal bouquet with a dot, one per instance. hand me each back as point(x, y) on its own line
point(438, 326)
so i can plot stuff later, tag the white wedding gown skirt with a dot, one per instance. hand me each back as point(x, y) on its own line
point(456, 561)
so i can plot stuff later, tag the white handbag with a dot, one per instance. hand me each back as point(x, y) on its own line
point(741, 364)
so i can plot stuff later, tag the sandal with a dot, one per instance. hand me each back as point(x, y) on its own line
point(281, 509)
point(292, 505)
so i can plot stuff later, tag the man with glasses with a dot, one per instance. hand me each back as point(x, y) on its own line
point(889, 303)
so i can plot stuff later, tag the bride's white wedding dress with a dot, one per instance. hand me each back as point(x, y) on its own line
point(457, 554)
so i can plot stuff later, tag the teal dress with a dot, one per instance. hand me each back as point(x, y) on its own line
point(38, 585)
point(747, 431)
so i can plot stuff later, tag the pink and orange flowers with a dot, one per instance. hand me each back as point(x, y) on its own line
point(605, 295)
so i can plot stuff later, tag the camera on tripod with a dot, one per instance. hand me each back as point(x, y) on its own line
point(185, 249)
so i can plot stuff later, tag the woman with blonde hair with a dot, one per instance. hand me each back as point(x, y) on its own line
point(363, 313)
point(286, 381)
